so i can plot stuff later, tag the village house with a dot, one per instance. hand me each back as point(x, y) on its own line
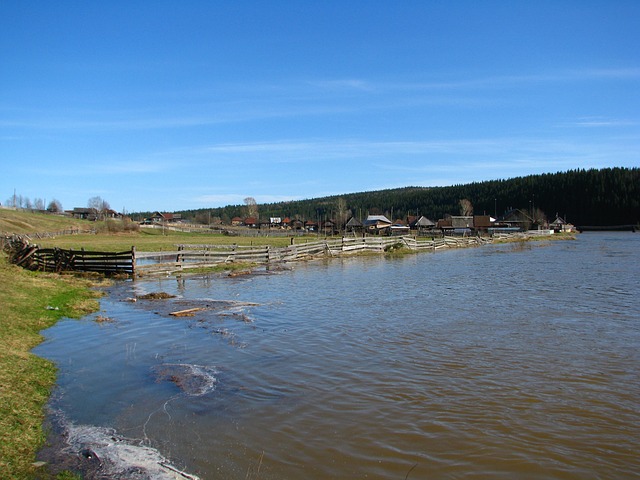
point(399, 227)
point(161, 218)
point(422, 224)
point(353, 225)
point(377, 224)
point(84, 213)
point(560, 225)
point(482, 223)
point(515, 219)
point(297, 224)
point(251, 222)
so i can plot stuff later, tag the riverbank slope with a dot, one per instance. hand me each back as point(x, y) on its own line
point(30, 302)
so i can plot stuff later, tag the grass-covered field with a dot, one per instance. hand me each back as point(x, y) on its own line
point(29, 303)
point(144, 239)
point(19, 221)
point(153, 240)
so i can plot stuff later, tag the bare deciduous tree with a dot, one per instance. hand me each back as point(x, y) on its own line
point(466, 207)
point(252, 207)
point(100, 206)
point(54, 206)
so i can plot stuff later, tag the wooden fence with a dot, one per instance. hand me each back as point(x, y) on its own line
point(130, 262)
point(28, 255)
point(195, 256)
point(108, 263)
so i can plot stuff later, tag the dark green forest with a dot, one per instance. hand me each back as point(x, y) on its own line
point(609, 196)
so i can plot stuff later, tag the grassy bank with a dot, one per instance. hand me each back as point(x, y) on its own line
point(29, 303)
point(21, 221)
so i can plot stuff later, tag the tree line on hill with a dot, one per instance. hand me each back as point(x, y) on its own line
point(608, 196)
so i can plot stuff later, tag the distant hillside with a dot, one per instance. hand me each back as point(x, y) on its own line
point(609, 196)
point(23, 221)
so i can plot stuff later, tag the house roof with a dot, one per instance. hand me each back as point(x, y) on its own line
point(516, 215)
point(376, 220)
point(424, 222)
point(167, 216)
point(354, 222)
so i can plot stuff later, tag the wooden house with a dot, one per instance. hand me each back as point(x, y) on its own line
point(159, 217)
point(399, 227)
point(353, 225)
point(377, 224)
point(251, 222)
point(482, 223)
point(422, 224)
point(560, 225)
point(296, 224)
point(515, 218)
point(84, 213)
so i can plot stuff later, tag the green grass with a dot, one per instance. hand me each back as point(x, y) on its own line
point(25, 379)
point(18, 221)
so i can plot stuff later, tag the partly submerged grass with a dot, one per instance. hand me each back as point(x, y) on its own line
point(232, 268)
point(29, 303)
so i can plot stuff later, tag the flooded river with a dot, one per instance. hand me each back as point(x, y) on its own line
point(500, 361)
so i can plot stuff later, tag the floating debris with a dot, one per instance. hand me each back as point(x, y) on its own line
point(156, 296)
point(103, 319)
point(189, 312)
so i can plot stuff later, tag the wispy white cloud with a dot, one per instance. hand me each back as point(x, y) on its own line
point(602, 122)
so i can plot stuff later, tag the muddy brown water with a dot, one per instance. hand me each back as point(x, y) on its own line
point(490, 362)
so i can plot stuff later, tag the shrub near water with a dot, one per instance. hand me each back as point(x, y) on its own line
point(29, 303)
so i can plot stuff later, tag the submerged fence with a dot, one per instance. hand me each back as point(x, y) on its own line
point(198, 256)
point(130, 262)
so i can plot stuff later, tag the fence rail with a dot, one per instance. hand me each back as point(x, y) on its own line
point(197, 256)
point(58, 259)
point(28, 255)
point(130, 262)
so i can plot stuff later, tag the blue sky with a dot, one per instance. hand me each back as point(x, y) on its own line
point(172, 105)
